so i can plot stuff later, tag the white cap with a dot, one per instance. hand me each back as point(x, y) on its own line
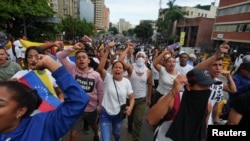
point(182, 52)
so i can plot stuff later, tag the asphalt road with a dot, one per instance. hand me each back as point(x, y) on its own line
point(146, 133)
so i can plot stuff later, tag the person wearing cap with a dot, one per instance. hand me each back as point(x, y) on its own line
point(182, 117)
point(91, 82)
point(191, 59)
point(239, 102)
point(237, 63)
point(214, 65)
point(241, 79)
point(141, 79)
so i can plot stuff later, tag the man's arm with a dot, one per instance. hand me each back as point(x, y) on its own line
point(165, 103)
point(223, 48)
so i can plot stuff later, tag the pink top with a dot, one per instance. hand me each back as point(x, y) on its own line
point(91, 81)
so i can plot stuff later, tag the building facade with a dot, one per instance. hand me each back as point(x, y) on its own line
point(99, 13)
point(197, 25)
point(106, 18)
point(123, 25)
point(233, 24)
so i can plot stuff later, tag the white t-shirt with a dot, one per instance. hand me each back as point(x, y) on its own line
point(11, 55)
point(185, 69)
point(19, 49)
point(110, 100)
point(215, 96)
point(166, 81)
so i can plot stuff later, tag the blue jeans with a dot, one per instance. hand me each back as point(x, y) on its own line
point(107, 122)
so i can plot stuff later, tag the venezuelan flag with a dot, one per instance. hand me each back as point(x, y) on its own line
point(40, 82)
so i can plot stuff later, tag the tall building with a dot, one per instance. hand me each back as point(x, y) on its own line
point(99, 13)
point(86, 10)
point(233, 24)
point(68, 8)
point(123, 25)
point(106, 18)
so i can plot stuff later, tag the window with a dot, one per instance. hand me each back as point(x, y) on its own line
point(242, 27)
point(248, 28)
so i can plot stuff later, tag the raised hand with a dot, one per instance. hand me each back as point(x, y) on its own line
point(223, 49)
point(111, 44)
point(179, 81)
point(79, 46)
point(45, 61)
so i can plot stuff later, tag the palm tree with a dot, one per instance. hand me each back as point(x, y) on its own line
point(173, 13)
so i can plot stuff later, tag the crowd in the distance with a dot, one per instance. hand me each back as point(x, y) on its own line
point(97, 83)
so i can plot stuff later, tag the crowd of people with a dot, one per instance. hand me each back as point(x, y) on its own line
point(93, 81)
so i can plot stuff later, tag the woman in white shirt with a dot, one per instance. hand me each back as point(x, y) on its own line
point(116, 89)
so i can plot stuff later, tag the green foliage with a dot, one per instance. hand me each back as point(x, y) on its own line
point(143, 31)
point(18, 14)
point(165, 25)
point(130, 32)
point(114, 30)
point(24, 8)
point(74, 27)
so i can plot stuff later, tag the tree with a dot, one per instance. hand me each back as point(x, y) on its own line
point(114, 30)
point(16, 15)
point(75, 27)
point(143, 31)
point(173, 13)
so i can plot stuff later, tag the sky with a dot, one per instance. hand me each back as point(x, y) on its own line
point(135, 10)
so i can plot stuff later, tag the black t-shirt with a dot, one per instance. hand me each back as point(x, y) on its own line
point(241, 104)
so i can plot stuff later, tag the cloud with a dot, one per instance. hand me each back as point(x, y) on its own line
point(135, 10)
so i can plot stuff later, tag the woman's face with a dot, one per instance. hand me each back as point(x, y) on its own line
point(8, 111)
point(170, 63)
point(32, 59)
point(117, 70)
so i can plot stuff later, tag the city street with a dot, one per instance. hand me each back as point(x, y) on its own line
point(146, 133)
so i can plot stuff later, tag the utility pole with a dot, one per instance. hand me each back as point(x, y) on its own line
point(160, 4)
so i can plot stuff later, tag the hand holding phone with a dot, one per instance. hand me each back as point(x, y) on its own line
point(174, 46)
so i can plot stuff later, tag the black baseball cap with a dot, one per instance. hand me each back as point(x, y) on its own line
point(245, 66)
point(201, 77)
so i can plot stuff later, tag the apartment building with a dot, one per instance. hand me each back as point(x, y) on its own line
point(233, 23)
point(196, 27)
point(99, 13)
point(123, 25)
